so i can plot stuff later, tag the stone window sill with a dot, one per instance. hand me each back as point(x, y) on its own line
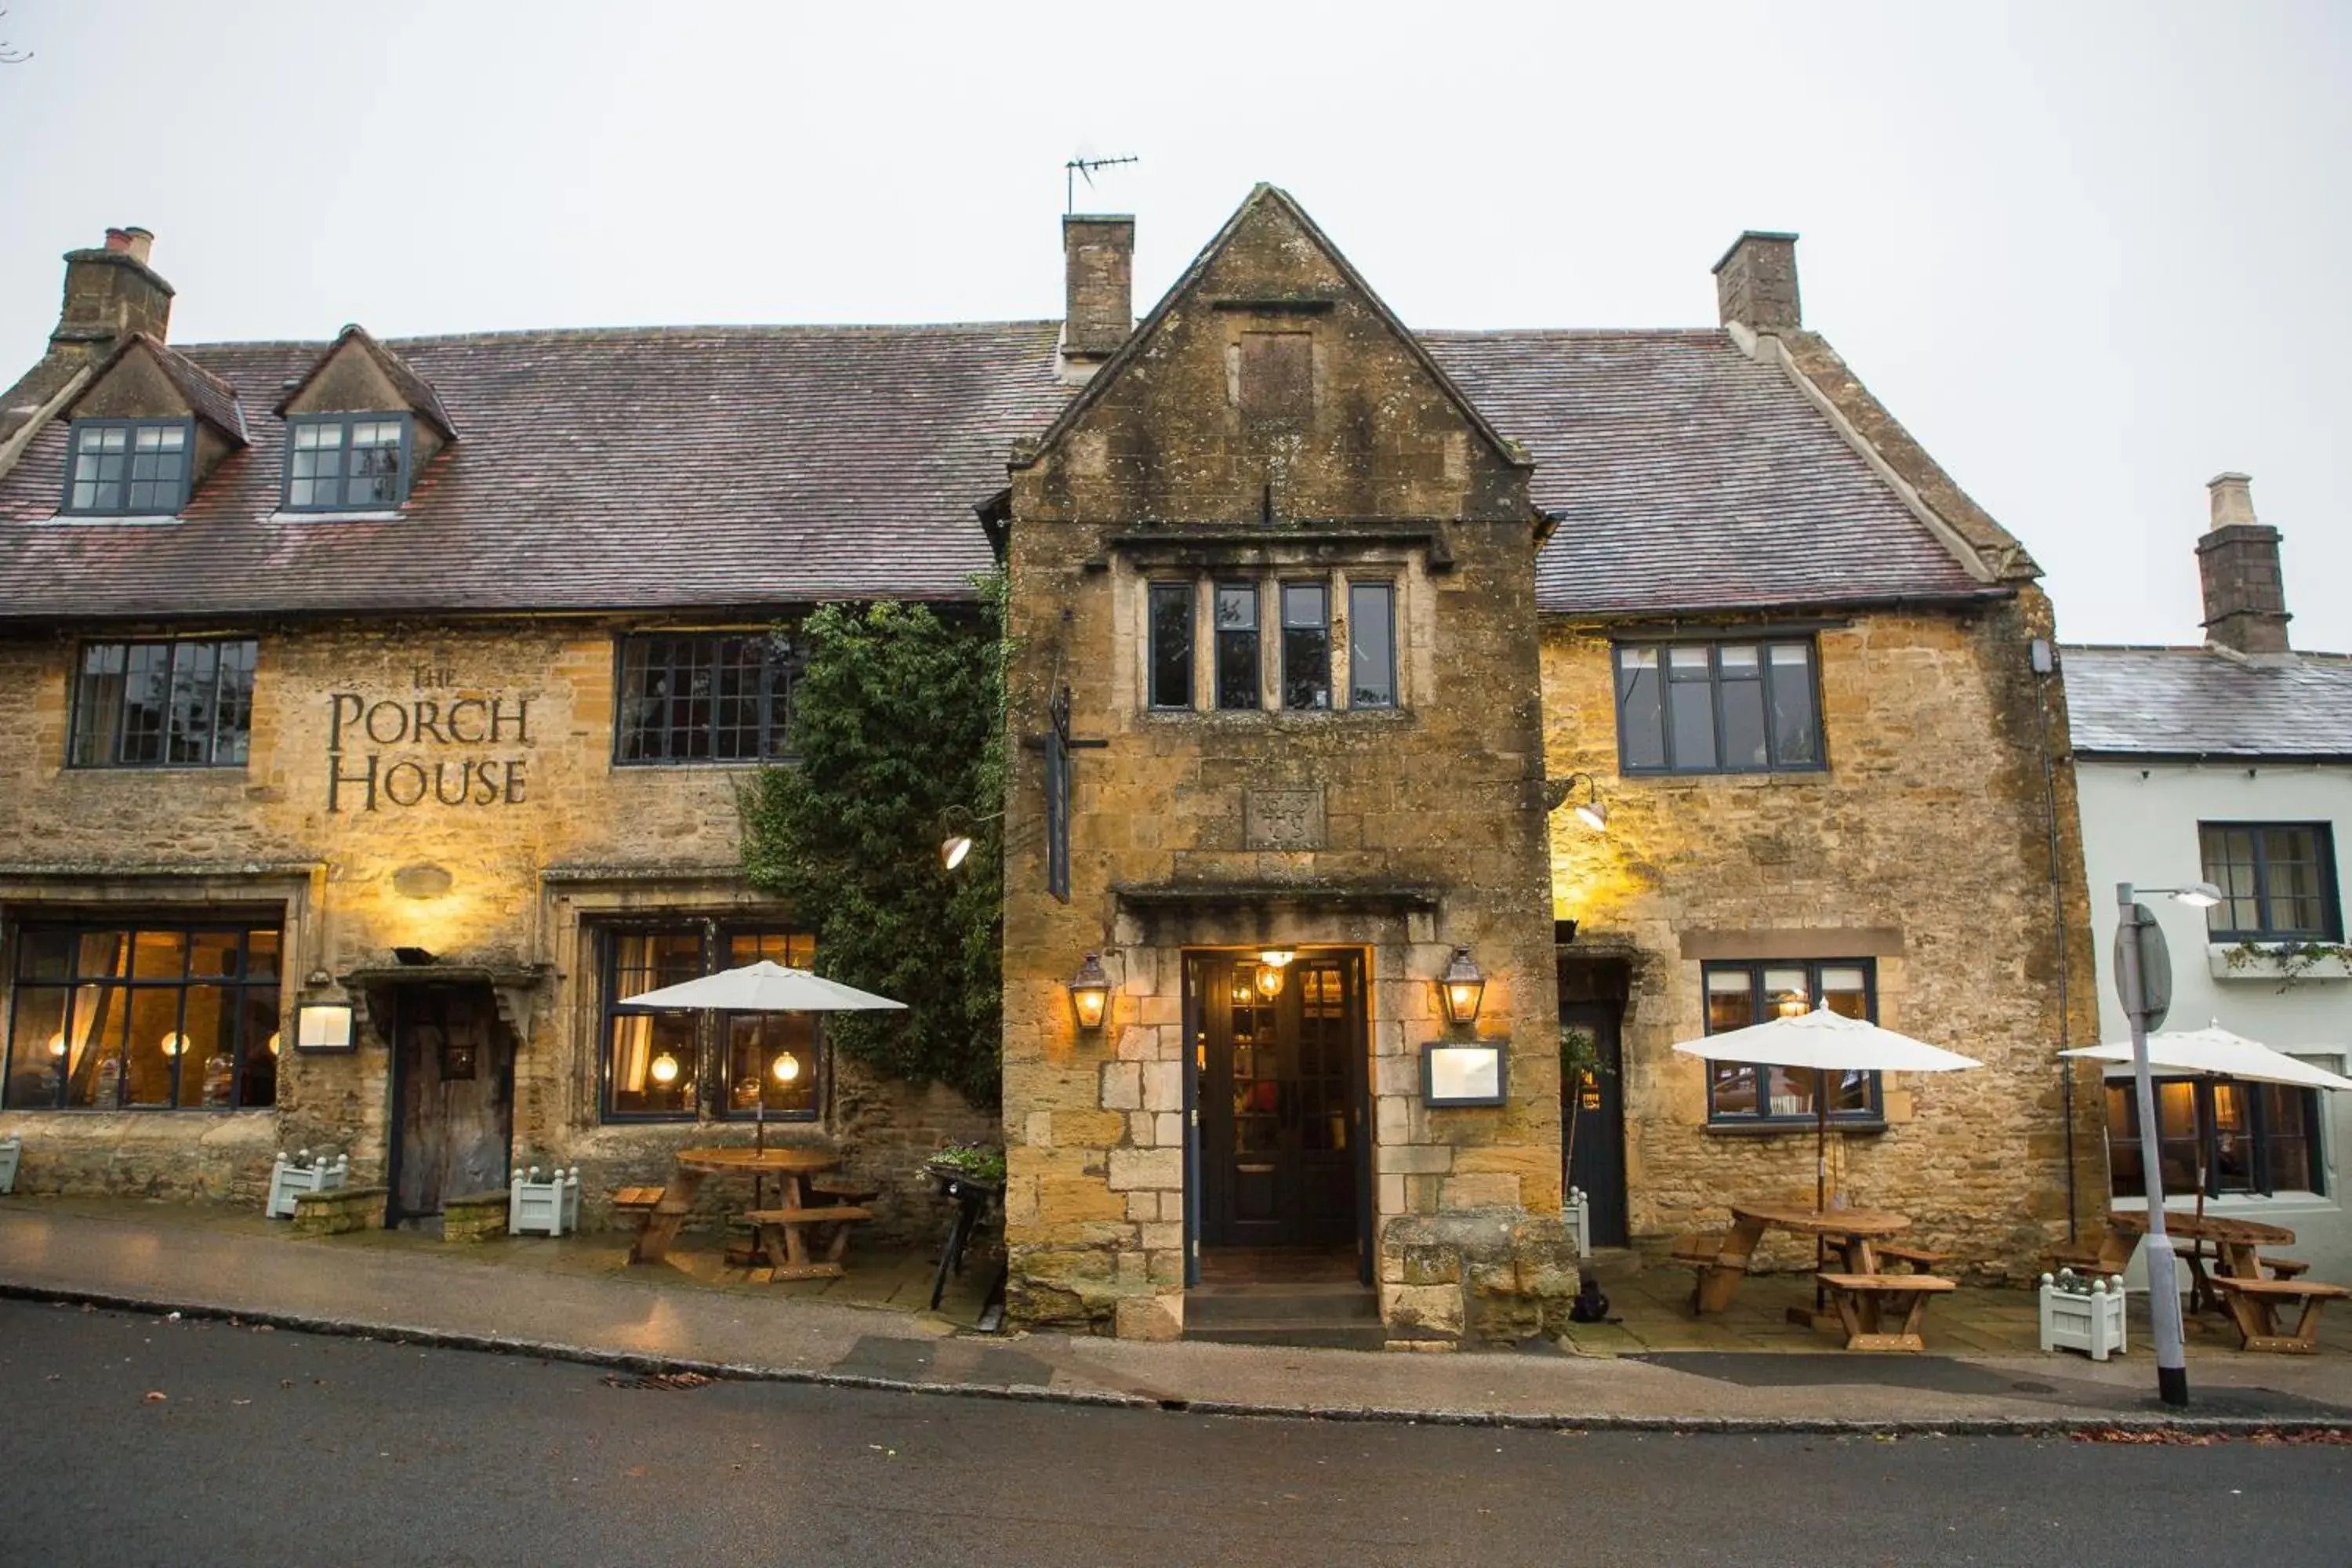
point(1787, 1129)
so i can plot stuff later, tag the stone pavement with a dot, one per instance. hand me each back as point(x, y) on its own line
point(578, 1300)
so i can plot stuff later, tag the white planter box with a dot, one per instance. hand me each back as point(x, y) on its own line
point(1578, 1215)
point(2267, 966)
point(2092, 1323)
point(12, 1150)
point(550, 1207)
point(289, 1179)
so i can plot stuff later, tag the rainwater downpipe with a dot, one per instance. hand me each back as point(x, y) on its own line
point(2044, 657)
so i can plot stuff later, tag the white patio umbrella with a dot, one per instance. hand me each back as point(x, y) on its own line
point(2216, 1052)
point(1825, 1042)
point(766, 987)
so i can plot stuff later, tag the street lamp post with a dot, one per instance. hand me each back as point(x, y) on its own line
point(2145, 1004)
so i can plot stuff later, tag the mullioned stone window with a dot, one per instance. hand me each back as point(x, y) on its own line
point(1741, 993)
point(705, 698)
point(179, 703)
point(1728, 707)
point(1318, 661)
point(151, 1016)
point(690, 1065)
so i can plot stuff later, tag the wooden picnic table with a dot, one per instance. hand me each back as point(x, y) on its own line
point(2237, 1245)
point(1722, 1257)
point(793, 1165)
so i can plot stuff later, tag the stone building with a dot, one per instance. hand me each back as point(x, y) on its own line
point(2231, 762)
point(406, 676)
point(389, 697)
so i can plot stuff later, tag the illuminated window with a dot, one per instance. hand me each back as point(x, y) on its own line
point(1738, 994)
point(147, 1018)
point(688, 1065)
point(2250, 1138)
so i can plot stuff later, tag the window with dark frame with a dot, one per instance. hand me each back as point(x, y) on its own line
point(160, 1015)
point(1172, 645)
point(656, 1064)
point(2244, 1138)
point(1237, 646)
point(2277, 881)
point(1718, 707)
point(183, 703)
point(1371, 645)
point(128, 467)
point(705, 698)
point(1741, 994)
point(346, 462)
point(1306, 646)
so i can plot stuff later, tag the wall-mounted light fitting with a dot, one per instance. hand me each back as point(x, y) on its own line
point(1271, 962)
point(1461, 988)
point(1090, 993)
point(1592, 814)
point(957, 825)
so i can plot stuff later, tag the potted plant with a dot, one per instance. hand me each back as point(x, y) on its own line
point(290, 1178)
point(2083, 1312)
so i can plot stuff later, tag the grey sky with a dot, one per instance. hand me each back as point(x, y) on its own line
point(2091, 254)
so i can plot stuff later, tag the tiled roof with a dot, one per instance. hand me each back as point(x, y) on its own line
point(1689, 477)
point(2191, 702)
point(640, 469)
point(760, 466)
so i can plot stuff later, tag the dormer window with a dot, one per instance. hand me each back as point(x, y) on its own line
point(128, 467)
point(346, 462)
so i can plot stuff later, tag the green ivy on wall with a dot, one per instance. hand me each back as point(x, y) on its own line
point(897, 717)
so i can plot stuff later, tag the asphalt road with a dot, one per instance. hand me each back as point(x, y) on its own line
point(280, 1448)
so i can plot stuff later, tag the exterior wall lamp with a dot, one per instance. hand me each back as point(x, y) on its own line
point(1592, 814)
point(1090, 993)
point(956, 828)
point(1462, 987)
point(1271, 963)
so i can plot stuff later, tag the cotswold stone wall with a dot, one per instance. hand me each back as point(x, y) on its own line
point(449, 787)
point(1393, 833)
point(1925, 848)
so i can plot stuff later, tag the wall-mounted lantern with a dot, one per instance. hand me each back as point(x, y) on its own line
point(1462, 989)
point(1090, 993)
point(323, 1026)
point(1592, 814)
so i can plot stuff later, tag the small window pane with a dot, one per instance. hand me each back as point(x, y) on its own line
point(1172, 645)
point(1306, 646)
point(1237, 646)
point(1690, 710)
point(1796, 725)
point(1641, 723)
point(1371, 645)
point(1743, 723)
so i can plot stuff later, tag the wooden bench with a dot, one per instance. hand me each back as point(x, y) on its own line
point(2254, 1305)
point(635, 1200)
point(2285, 1268)
point(1720, 1265)
point(1861, 1299)
point(784, 1236)
point(1919, 1259)
point(843, 1190)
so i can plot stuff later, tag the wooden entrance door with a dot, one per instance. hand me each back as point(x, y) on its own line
point(1280, 1092)
point(1596, 1110)
point(454, 1089)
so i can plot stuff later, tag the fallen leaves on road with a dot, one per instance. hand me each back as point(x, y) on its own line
point(2178, 1436)
point(156, 1397)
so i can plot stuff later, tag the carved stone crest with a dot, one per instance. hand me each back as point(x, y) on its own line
point(1282, 819)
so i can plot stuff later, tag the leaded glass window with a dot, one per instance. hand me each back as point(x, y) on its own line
point(185, 703)
point(702, 698)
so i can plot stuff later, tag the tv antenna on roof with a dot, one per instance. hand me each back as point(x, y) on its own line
point(1079, 168)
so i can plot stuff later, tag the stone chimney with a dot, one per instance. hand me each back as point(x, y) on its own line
point(2245, 593)
point(1100, 251)
point(1756, 283)
point(110, 293)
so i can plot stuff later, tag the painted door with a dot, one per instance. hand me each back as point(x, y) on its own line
point(1596, 1160)
point(454, 1078)
point(1281, 1069)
